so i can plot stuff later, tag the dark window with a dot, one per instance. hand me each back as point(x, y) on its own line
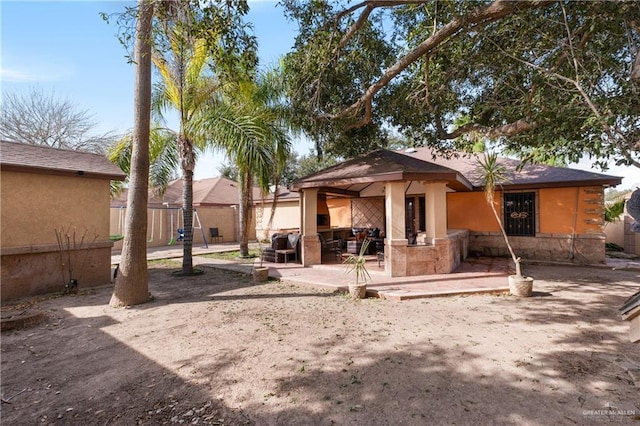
point(520, 213)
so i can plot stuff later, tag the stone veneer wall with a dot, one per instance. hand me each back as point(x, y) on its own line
point(442, 257)
point(587, 249)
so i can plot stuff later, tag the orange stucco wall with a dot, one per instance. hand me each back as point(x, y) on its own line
point(558, 210)
point(469, 210)
point(561, 208)
point(35, 205)
point(340, 212)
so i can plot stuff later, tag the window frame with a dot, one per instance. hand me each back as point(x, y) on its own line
point(532, 214)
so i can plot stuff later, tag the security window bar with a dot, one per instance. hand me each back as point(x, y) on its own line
point(520, 213)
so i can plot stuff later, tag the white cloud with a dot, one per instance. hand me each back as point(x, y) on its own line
point(42, 73)
point(15, 76)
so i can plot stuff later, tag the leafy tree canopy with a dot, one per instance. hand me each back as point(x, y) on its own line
point(550, 80)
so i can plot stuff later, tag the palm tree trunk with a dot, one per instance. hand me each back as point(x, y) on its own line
point(188, 164)
point(132, 284)
point(516, 260)
point(245, 211)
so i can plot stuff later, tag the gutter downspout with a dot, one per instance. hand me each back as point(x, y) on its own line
point(575, 223)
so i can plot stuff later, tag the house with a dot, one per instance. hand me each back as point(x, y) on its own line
point(215, 200)
point(621, 233)
point(55, 215)
point(432, 210)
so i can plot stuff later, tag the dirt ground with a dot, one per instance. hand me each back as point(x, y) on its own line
point(218, 349)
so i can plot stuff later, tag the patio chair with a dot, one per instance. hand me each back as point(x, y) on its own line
point(215, 235)
point(331, 246)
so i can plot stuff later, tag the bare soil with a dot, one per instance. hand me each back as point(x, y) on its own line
point(218, 349)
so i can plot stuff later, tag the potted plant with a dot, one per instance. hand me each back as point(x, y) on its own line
point(260, 273)
point(494, 174)
point(357, 264)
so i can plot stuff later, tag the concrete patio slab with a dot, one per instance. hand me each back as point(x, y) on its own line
point(482, 275)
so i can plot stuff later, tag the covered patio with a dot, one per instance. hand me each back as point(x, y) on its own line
point(414, 244)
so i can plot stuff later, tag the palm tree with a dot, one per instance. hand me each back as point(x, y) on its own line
point(253, 139)
point(163, 157)
point(495, 174)
point(132, 286)
point(259, 158)
point(186, 87)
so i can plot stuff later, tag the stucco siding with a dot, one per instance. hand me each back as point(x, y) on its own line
point(35, 205)
point(469, 210)
point(563, 208)
point(286, 218)
point(340, 212)
point(163, 223)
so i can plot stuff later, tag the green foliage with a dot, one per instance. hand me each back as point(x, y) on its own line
point(495, 174)
point(163, 157)
point(357, 264)
point(613, 210)
point(549, 81)
point(320, 82)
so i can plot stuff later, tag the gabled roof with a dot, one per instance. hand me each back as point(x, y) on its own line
point(43, 159)
point(206, 192)
point(380, 166)
point(462, 173)
point(531, 175)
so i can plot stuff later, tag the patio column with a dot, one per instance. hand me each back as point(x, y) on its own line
point(311, 253)
point(395, 262)
point(435, 194)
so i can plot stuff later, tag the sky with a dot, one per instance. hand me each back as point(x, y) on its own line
point(68, 49)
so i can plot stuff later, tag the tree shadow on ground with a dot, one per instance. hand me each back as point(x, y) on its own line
point(72, 371)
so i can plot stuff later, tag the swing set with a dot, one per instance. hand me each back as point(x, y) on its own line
point(174, 213)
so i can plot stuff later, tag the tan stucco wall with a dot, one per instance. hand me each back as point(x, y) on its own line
point(35, 205)
point(285, 219)
point(159, 231)
point(615, 232)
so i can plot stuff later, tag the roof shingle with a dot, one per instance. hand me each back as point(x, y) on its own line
point(44, 159)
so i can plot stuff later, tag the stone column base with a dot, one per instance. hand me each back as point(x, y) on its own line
point(311, 250)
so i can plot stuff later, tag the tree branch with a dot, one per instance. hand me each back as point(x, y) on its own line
point(510, 129)
point(477, 18)
point(369, 6)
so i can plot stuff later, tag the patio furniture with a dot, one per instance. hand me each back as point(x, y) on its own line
point(214, 234)
point(331, 246)
point(282, 246)
point(353, 247)
point(292, 248)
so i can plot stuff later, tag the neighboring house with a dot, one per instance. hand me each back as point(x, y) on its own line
point(550, 213)
point(620, 233)
point(44, 190)
point(215, 200)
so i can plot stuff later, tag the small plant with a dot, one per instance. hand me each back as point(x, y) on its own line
point(68, 250)
point(494, 175)
point(357, 265)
